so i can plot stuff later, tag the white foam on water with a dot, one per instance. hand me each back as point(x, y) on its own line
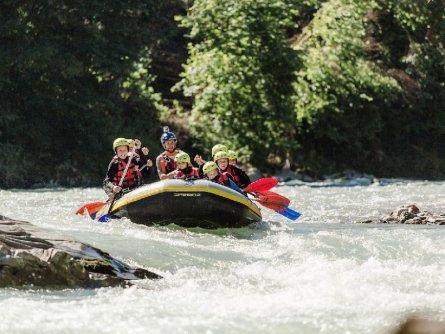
point(322, 274)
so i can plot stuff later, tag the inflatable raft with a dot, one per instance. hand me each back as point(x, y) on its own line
point(191, 203)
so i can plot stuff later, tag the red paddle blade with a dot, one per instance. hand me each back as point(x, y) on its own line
point(263, 184)
point(272, 206)
point(273, 198)
point(90, 208)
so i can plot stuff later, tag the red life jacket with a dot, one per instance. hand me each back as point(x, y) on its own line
point(232, 171)
point(168, 161)
point(222, 178)
point(194, 173)
point(132, 179)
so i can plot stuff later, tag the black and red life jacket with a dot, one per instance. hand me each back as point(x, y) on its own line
point(232, 171)
point(238, 175)
point(222, 178)
point(186, 173)
point(168, 161)
point(133, 176)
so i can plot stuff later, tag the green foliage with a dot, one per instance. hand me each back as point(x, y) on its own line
point(240, 72)
point(420, 125)
point(339, 94)
point(70, 81)
point(330, 84)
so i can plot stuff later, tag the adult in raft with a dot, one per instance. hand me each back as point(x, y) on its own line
point(119, 162)
point(165, 162)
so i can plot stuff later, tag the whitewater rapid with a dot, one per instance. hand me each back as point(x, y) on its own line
point(324, 273)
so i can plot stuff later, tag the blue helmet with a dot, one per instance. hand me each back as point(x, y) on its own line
point(167, 135)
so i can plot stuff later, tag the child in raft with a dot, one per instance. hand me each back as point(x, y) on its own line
point(146, 169)
point(200, 162)
point(212, 173)
point(118, 163)
point(233, 157)
point(184, 169)
point(238, 175)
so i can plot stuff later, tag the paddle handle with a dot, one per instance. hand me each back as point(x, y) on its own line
point(121, 182)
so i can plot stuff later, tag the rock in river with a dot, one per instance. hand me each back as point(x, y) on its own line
point(410, 214)
point(33, 257)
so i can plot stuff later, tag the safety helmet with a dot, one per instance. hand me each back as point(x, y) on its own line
point(218, 148)
point(232, 155)
point(220, 155)
point(120, 142)
point(167, 135)
point(182, 157)
point(209, 166)
point(130, 143)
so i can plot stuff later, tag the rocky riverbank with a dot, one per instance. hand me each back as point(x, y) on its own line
point(31, 257)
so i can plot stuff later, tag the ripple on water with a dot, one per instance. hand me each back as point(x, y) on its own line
point(323, 273)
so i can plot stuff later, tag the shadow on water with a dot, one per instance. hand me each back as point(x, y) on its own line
point(254, 231)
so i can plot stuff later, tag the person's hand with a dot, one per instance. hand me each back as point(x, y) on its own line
point(149, 163)
point(137, 144)
point(198, 160)
point(145, 150)
point(117, 189)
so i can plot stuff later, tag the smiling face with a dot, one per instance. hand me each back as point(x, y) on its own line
point(170, 145)
point(122, 151)
point(181, 165)
point(232, 162)
point(212, 174)
point(222, 163)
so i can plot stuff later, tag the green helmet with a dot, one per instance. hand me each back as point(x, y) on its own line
point(209, 166)
point(232, 155)
point(182, 157)
point(218, 148)
point(220, 155)
point(120, 142)
point(130, 143)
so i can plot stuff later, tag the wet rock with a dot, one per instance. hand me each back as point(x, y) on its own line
point(421, 326)
point(411, 214)
point(33, 257)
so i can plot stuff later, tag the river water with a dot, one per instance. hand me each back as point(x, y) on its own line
point(324, 273)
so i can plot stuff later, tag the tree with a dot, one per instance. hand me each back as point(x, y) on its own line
point(240, 72)
point(69, 73)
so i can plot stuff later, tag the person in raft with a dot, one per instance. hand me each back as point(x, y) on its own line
point(145, 169)
point(200, 162)
point(218, 148)
point(132, 179)
point(233, 157)
point(238, 175)
point(165, 162)
point(212, 173)
point(185, 170)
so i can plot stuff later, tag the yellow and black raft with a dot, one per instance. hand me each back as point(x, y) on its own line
point(187, 203)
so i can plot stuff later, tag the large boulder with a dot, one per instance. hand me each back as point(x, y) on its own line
point(33, 257)
point(410, 214)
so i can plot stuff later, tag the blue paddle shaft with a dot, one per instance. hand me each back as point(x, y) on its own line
point(289, 213)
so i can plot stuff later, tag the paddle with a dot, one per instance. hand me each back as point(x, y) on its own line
point(276, 202)
point(273, 197)
point(106, 217)
point(263, 184)
point(270, 199)
point(289, 213)
point(90, 208)
point(234, 186)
